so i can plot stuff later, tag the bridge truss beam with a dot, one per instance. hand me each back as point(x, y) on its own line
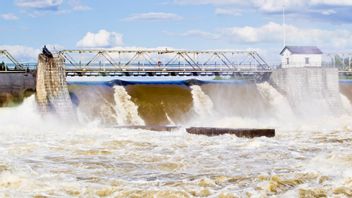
point(340, 60)
point(165, 61)
point(6, 54)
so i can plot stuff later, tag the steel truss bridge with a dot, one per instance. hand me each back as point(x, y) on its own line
point(165, 62)
point(17, 66)
point(341, 60)
point(162, 62)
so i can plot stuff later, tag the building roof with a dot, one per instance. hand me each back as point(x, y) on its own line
point(302, 50)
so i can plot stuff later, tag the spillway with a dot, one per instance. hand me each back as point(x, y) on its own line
point(306, 158)
point(214, 104)
point(126, 110)
point(202, 103)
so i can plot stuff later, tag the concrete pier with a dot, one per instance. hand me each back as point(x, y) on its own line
point(246, 133)
point(51, 90)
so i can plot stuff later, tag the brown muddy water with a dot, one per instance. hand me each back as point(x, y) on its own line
point(308, 158)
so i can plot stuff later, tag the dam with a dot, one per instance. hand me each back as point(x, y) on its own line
point(176, 99)
point(165, 87)
point(309, 155)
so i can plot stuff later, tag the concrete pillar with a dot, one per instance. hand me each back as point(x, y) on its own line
point(51, 89)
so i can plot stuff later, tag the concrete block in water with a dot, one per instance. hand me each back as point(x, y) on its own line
point(150, 128)
point(247, 133)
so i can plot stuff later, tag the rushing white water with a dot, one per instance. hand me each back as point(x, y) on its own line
point(277, 101)
point(126, 110)
point(98, 162)
point(346, 104)
point(42, 158)
point(281, 116)
point(202, 104)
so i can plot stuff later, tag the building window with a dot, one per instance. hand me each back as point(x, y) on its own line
point(287, 61)
point(307, 60)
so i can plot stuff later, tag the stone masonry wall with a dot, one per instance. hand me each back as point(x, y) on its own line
point(51, 89)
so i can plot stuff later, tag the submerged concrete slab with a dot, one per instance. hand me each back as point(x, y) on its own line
point(150, 128)
point(246, 133)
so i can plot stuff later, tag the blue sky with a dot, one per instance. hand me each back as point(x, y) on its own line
point(26, 25)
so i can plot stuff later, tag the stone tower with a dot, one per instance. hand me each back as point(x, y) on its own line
point(51, 89)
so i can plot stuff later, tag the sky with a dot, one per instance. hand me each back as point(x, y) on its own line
point(27, 25)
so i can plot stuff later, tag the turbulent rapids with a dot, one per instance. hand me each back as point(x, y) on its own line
point(309, 157)
point(126, 110)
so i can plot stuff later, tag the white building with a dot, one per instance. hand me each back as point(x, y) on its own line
point(301, 56)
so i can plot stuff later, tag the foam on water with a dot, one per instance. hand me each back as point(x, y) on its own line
point(41, 157)
point(277, 101)
point(281, 116)
point(346, 104)
point(90, 162)
point(202, 104)
point(126, 110)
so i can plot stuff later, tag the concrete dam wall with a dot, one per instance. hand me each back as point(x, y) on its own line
point(310, 91)
point(14, 86)
point(51, 89)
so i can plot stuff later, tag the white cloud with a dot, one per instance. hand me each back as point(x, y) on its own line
point(272, 33)
point(268, 5)
point(9, 16)
point(39, 4)
point(267, 33)
point(36, 8)
point(228, 11)
point(76, 5)
point(204, 2)
point(101, 39)
point(154, 16)
point(196, 33)
point(332, 2)
point(22, 53)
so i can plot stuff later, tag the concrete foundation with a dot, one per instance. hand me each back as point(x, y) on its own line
point(246, 133)
point(310, 91)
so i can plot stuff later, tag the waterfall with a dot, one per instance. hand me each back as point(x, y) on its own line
point(126, 110)
point(346, 104)
point(202, 104)
point(277, 101)
point(171, 122)
point(51, 89)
